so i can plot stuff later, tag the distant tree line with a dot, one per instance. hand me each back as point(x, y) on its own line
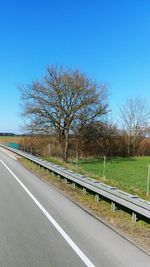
point(6, 134)
point(67, 114)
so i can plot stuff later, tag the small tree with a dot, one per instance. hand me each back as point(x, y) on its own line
point(135, 115)
point(60, 101)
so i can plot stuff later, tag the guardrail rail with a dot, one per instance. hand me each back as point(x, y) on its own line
point(137, 206)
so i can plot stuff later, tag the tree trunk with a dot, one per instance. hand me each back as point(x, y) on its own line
point(65, 146)
point(128, 147)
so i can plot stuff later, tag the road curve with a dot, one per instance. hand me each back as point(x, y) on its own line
point(40, 227)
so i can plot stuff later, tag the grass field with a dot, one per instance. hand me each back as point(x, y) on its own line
point(4, 139)
point(128, 174)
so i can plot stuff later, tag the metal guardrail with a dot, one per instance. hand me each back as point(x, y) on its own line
point(133, 203)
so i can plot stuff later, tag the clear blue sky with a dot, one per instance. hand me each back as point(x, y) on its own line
point(107, 39)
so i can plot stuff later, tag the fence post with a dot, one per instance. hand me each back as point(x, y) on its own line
point(104, 166)
point(148, 181)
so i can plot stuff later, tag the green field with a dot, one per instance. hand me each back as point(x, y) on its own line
point(129, 174)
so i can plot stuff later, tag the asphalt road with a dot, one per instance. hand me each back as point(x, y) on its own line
point(39, 227)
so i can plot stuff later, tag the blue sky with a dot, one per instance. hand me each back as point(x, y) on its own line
point(107, 39)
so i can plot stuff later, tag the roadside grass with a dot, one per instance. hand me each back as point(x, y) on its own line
point(120, 221)
point(127, 174)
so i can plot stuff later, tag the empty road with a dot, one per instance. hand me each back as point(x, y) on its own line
point(39, 227)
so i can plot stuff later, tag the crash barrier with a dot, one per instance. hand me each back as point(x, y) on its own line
point(136, 206)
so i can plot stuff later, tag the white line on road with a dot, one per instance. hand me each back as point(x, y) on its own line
point(83, 257)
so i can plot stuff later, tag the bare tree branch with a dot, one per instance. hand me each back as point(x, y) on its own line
point(135, 116)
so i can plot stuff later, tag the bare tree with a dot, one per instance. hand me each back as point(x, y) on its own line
point(60, 100)
point(135, 115)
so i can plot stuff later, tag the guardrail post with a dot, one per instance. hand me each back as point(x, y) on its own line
point(52, 174)
point(113, 206)
point(33, 165)
point(97, 198)
point(134, 217)
point(73, 185)
point(39, 166)
point(65, 181)
point(84, 191)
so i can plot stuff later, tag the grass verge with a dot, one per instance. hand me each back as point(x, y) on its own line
point(119, 220)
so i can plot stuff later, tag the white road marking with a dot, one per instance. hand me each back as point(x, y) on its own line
point(78, 251)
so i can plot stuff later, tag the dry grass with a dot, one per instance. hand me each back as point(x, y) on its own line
point(119, 220)
point(15, 139)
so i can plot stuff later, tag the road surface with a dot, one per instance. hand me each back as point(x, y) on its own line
point(39, 227)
